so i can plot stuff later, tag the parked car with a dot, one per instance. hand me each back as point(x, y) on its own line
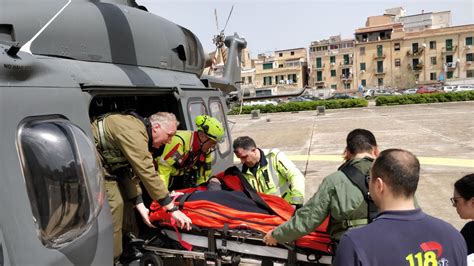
point(463, 88)
point(264, 102)
point(449, 88)
point(340, 96)
point(425, 89)
point(298, 99)
point(378, 92)
point(410, 91)
point(311, 97)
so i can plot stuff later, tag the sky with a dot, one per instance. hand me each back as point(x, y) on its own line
point(277, 25)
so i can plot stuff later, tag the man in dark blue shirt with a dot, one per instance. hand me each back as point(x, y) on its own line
point(401, 234)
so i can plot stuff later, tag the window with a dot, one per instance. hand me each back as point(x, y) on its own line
point(249, 80)
point(346, 59)
point(449, 45)
point(243, 79)
point(432, 45)
point(433, 76)
point(380, 81)
point(280, 66)
point(379, 50)
point(362, 50)
point(332, 59)
point(333, 72)
point(449, 74)
point(268, 65)
point(470, 73)
point(319, 62)
point(292, 53)
point(217, 111)
point(414, 47)
point(280, 54)
point(396, 46)
point(292, 78)
point(347, 86)
point(362, 66)
point(63, 178)
point(363, 82)
point(468, 40)
point(319, 75)
point(334, 86)
point(379, 66)
point(267, 80)
point(196, 108)
point(433, 60)
point(470, 57)
point(397, 62)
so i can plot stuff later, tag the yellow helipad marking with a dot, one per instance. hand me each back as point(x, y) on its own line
point(423, 160)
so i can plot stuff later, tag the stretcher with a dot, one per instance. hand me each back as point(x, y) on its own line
point(228, 228)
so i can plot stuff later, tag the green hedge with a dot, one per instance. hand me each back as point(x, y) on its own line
point(301, 106)
point(425, 98)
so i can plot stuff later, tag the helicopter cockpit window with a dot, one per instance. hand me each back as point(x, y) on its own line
point(217, 111)
point(196, 108)
point(63, 178)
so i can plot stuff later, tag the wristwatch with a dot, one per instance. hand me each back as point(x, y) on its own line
point(173, 209)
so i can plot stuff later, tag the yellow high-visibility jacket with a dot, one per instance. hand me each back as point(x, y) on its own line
point(277, 175)
point(182, 157)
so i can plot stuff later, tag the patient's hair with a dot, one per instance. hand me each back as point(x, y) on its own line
point(163, 119)
point(244, 142)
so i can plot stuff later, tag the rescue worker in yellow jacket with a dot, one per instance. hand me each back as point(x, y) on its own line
point(270, 171)
point(125, 142)
point(186, 161)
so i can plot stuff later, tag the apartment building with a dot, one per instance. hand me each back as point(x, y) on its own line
point(386, 55)
point(282, 67)
point(331, 63)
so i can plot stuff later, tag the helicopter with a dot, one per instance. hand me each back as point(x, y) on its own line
point(63, 63)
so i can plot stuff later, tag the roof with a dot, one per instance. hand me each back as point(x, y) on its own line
point(377, 28)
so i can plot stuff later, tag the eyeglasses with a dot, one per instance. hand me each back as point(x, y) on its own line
point(454, 200)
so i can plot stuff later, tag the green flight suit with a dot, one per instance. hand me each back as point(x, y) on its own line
point(177, 161)
point(126, 154)
point(338, 197)
point(276, 175)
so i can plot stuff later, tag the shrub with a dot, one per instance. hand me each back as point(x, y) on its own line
point(424, 98)
point(301, 106)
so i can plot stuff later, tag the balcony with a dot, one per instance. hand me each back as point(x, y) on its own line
point(418, 67)
point(453, 49)
point(320, 67)
point(346, 77)
point(348, 63)
point(379, 72)
point(451, 65)
point(416, 53)
point(376, 57)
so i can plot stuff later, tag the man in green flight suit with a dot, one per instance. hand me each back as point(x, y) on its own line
point(337, 196)
point(270, 171)
point(186, 160)
point(125, 142)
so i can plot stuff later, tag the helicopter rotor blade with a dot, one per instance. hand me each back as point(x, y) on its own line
point(217, 21)
point(230, 13)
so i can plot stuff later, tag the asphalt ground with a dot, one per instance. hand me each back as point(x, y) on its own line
point(441, 135)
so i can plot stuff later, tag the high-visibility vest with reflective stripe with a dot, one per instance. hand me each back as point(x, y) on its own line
point(174, 160)
point(278, 177)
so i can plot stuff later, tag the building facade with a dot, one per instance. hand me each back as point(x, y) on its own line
point(282, 67)
point(387, 56)
point(331, 63)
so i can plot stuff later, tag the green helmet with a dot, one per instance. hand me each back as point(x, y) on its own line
point(211, 126)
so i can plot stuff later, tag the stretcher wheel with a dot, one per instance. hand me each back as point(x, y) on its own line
point(151, 259)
